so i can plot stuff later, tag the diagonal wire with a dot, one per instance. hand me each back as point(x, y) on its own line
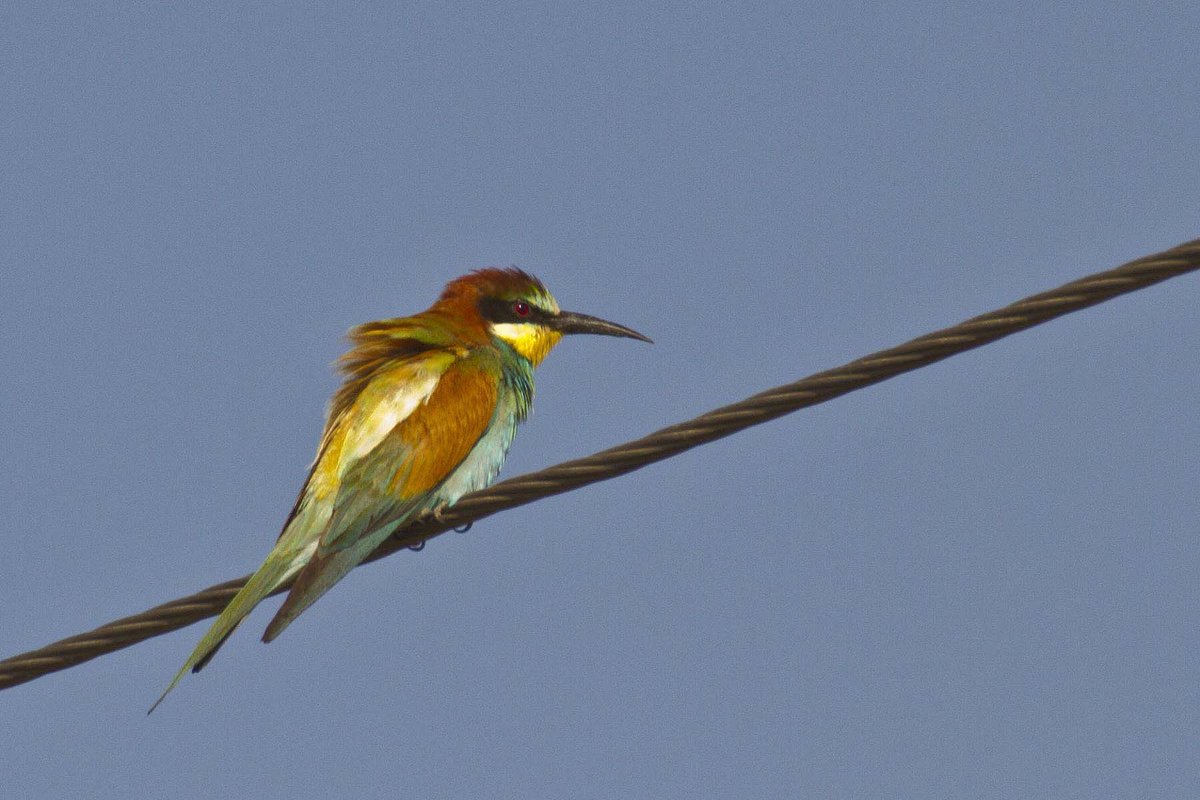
point(660, 445)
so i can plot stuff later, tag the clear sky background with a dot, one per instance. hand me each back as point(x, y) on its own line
point(977, 580)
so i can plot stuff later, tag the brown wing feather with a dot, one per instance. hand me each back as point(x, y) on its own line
point(441, 433)
point(376, 346)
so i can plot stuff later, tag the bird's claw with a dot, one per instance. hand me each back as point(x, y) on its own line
point(438, 514)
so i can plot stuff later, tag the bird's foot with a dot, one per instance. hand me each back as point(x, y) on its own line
point(436, 515)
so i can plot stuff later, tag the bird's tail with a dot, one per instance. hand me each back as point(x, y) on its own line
point(278, 567)
point(321, 572)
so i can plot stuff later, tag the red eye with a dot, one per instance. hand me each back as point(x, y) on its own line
point(521, 308)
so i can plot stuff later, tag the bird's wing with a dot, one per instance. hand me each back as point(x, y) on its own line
point(389, 376)
point(399, 476)
point(412, 349)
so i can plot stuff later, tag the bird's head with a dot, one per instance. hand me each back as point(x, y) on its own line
point(516, 308)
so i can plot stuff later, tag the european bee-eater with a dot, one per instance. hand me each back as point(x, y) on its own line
point(427, 411)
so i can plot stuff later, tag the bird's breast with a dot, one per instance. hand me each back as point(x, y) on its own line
point(482, 464)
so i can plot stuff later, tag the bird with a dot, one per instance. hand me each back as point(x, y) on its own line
point(426, 413)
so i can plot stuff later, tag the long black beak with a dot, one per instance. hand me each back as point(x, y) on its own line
point(570, 322)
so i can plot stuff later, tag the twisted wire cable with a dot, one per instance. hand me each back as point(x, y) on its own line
point(660, 445)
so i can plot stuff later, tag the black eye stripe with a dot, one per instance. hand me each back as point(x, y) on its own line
point(496, 309)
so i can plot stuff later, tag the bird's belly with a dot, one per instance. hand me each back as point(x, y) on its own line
point(483, 463)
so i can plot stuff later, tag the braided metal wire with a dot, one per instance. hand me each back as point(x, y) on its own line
point(658, 446)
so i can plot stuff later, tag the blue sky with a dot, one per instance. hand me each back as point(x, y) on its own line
point(975, 580)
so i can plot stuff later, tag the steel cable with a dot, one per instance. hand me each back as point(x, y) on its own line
point(660, 445)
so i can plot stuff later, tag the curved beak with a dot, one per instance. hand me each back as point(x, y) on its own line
point(571, 322)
